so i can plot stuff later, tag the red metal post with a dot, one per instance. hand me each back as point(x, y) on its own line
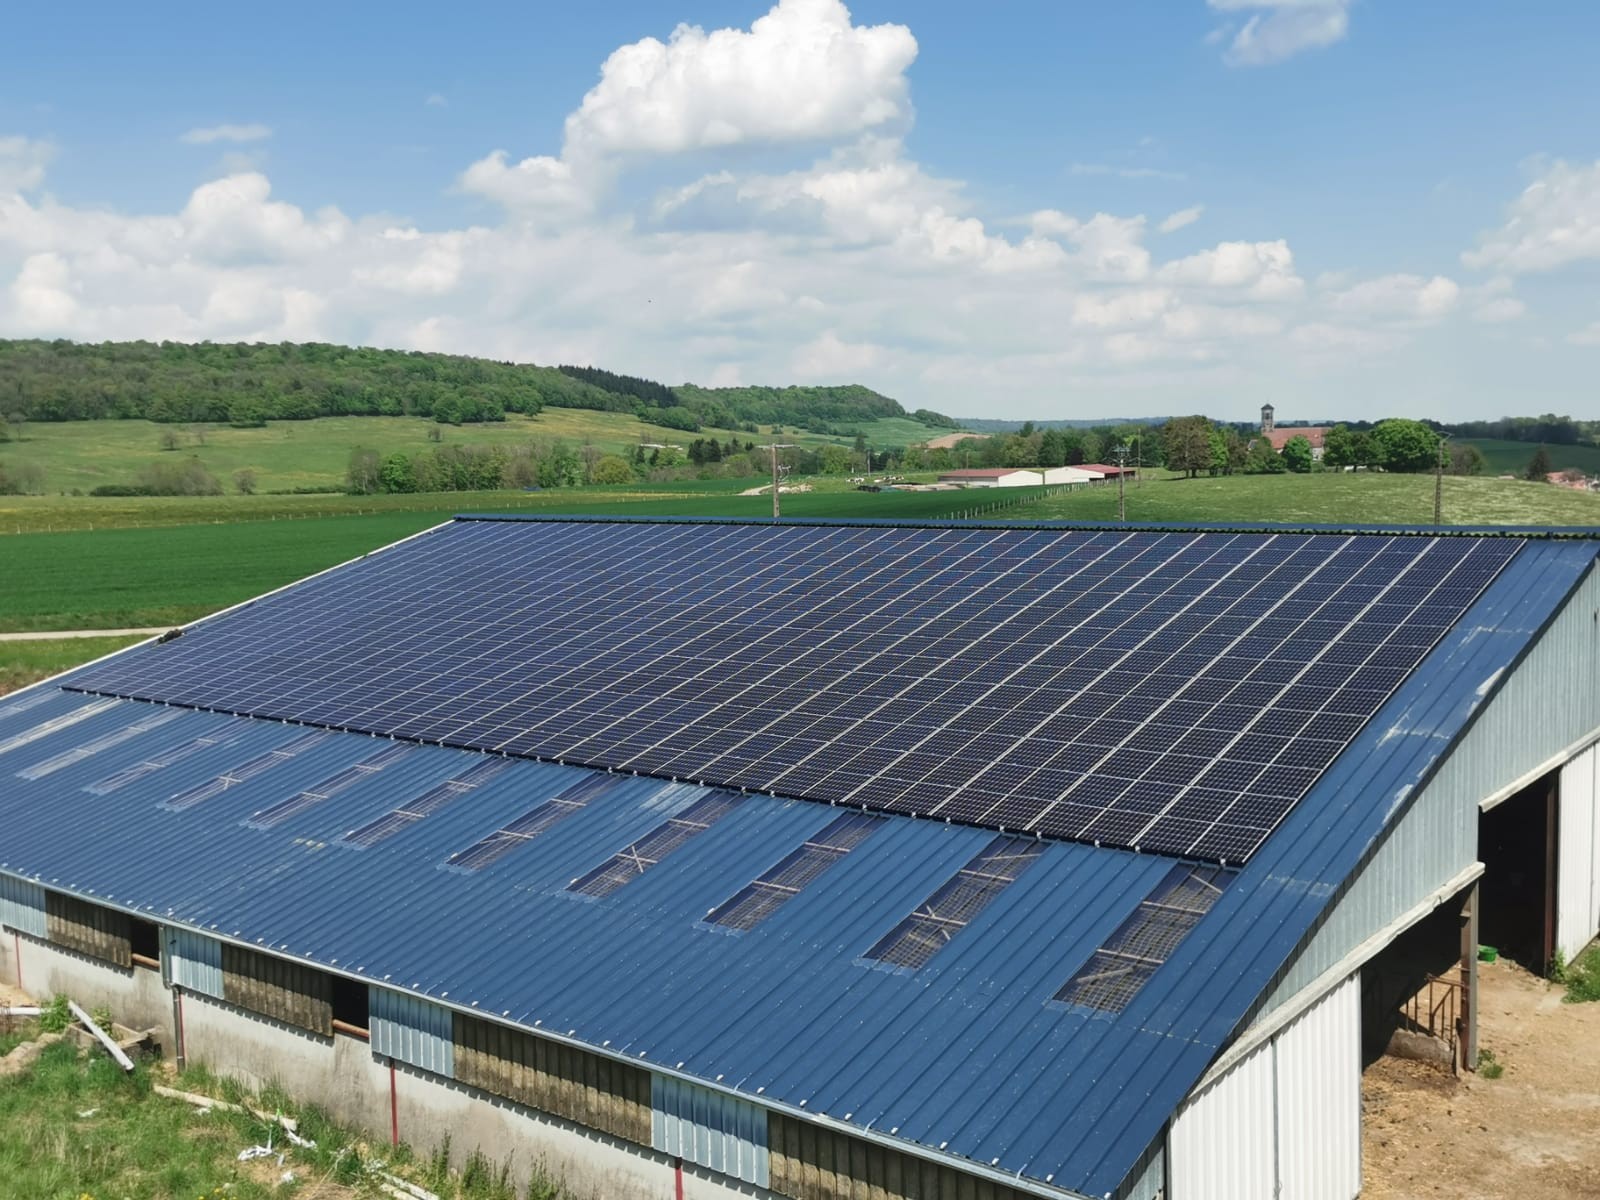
point(677, 1174)
point(17, 941)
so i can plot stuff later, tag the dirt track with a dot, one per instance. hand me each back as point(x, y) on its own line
point(1532, 1134)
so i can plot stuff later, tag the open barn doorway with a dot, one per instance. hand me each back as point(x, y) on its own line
point(1517, 843)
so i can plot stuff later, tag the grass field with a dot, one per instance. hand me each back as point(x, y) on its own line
point(1329, 498)
point(293, 454)
point(22, 663)
point(136, 577)
point(1512, 457)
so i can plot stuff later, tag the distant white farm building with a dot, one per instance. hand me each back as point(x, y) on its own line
point(1072, 475)
point(993, 477)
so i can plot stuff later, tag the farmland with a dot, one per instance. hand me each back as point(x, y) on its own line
point(1511, 458)
point(1329, 498)
point(134, 577)
point(81, 455)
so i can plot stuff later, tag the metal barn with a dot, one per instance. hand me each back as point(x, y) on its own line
point(825, 859)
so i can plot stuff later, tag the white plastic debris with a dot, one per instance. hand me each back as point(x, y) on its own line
point(87, 1113)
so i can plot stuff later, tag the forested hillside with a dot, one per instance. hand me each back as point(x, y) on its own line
point(248, 384)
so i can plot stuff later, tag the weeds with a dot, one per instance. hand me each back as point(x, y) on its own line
point(1582, 978)
point(1489, 1066)
point(55, 1016)
point(74, 1124)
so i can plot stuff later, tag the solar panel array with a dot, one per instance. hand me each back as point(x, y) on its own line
point(1172, 692)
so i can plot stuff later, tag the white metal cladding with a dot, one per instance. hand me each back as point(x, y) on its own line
point(1578, 861)
point(22, 906)
point(712, 1130)
point(1318, 1061)
point(1550, 702)
point(1221, 1143)
point(411, 1030)
point(194, 962)
point(1283, 1124)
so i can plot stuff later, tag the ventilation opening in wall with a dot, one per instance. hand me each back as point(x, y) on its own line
point(350, 1003)
point(144, 940)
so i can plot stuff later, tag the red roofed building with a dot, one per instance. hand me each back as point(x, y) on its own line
point(1315, 434)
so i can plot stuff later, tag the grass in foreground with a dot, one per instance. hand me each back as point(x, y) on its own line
point(22, 663)
point(75, 1125)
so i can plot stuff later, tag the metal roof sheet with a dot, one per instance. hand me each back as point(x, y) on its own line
point(969, 1055)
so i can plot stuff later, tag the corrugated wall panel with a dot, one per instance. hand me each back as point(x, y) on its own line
point(87, 928)
point(1318, 1061)
point(22, 906)
point(1221, 1143)
point(721, 1133)
point(1577, 888)
point(1148, 1180)
point(194, 962)
point(412, 1031)
point(1549, 703)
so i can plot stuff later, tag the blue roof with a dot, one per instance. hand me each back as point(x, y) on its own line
point(968, 1055)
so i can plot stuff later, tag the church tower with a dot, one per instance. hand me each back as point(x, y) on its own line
point(1266, 418)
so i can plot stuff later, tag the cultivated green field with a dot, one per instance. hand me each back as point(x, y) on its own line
point(1511, 458)
point(1329, 498)
point(296, 454)
point(136, 577)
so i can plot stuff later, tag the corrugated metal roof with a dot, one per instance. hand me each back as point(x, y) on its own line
point(969, 1055)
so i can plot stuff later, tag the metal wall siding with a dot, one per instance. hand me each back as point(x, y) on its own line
point(1221, 1144)
point(1546, 703)
point(194, 962)
point(22, 906)
point(1578, 868)
point(1318, 1097)
point(411, 1030)
point(1286, 1121)
point(711, 1129)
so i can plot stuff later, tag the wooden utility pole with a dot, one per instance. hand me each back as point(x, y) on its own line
point(776, 476)
point(1122, 475)
point(1438, 485)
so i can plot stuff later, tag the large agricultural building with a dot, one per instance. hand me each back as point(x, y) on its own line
point(827, 860)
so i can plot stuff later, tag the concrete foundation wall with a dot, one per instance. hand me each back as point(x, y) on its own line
point(135, 995)
point(341, 1076)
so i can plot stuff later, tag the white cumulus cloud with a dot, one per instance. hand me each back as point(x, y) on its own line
point(802, 72)
point(226, 133)
point(1178, 220)
point(1264, 270)
point(1555, 222)
point(1406, 297)
point(1278, 29)
point(22, 163)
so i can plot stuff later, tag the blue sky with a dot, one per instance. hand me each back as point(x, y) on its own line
point(1347, 208)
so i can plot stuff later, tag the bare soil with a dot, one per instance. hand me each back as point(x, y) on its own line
point(1532, 1134)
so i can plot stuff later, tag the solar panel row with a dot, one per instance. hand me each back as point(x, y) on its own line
point(1173, 692)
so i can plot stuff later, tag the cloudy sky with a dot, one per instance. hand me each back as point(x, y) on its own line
point(1027, 209)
